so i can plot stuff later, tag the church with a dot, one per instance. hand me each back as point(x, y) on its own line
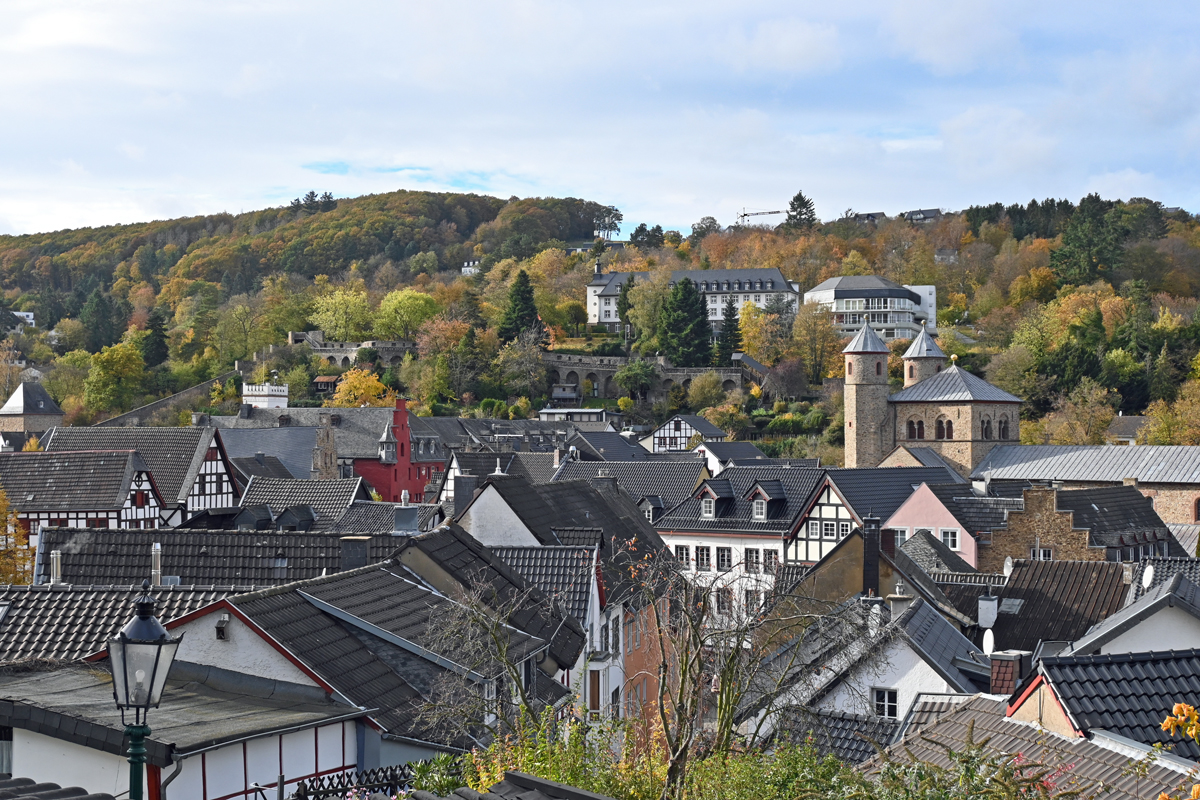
point(942, 410)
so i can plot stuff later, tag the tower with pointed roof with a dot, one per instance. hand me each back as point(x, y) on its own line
point(30, 409)
point(923, 359)
point(869, 434)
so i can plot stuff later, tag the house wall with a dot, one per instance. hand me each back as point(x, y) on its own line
point(738, 577)
point(213, 487)
point(1169, 629)
point(1040, 524)
point(30, 423)
point(1042, 707)
point(243, 650)
point(968, 447)
point(897, 667)
point(809, 544)
point(924, 510)
point(46, 759)
point(673, 436)
point(869, 433)
point(492, 522)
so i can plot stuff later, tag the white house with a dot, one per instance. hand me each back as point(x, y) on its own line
point(892, 310)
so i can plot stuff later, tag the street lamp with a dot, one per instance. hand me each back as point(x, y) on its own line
point(141, 656)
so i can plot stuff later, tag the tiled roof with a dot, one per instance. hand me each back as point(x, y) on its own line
point(811, 463)
point(924, 347)
point(736, 512)
point(1177, 592)
point(261, 465)
point(534, 467)
point(698, 423)
point(30, 398)
point(932, 554)
point(609, 446)
point(673, 481)
point(100, 556)
point(727, 450)
point(1125, 427)
point(87, 481)
point(963, 589)
point(564, 574)
point(1128, 694)
point(879, 491)
point(291, 445)
point(369, 516)
point(866, 341)
point(927, 709)
point(1110, 508)
point(612, 280)
point(953, 385)
point(978, 514)
point(944, 647)
point(1092, 463)
point(1162, 570)
point(1046, 601)
point(174, 455)
point(925, 586)
point(851, 738)
point(982, 719)
point(66, 623)
point(328, 498)
point(356, 434)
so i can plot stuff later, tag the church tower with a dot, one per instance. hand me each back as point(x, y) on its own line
point(866, 400)
point(923, 359)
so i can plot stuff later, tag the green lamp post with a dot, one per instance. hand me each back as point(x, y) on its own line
point(141, 656)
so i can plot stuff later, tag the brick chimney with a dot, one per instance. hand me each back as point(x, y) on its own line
point(1009, 668)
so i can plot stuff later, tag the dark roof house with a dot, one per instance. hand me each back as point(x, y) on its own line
point(328, 499)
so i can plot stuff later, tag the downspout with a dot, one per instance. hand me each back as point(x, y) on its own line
point(162, 787)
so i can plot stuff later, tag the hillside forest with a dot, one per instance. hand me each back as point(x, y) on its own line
point(1084, 309)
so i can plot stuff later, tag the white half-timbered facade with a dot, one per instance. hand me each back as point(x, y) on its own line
point(213, 487)
point(674, 435)
point(825, 522)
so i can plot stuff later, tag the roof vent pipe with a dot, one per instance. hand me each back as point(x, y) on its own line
point(404, 498)
point(55, 567)
point(156, 564)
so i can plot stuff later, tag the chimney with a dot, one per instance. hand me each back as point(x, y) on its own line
point(404, 498)
point(899, 601)
point(464, 489)
point(604, 482)
point(989, 607)
point(156, 564)
point(245, 411)
point(1009, 668)
point(1129, 482)
point(558, 454)
point(525, 444)
point(356, 552)
point(597, 266)
point(55, 567)
point(870, 533)
point(261, 458)
point(404, 522)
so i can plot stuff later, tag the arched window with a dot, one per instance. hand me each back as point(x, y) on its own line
point(911, 370)
point(849, 367)
point(878, 367)
point(985, 429)
point(941, 429)
point(920, 429)
point(949, 429)
point(1003, 426)
point(939, 368)
point(912, 432)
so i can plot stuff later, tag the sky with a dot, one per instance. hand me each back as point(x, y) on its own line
point(129, 111)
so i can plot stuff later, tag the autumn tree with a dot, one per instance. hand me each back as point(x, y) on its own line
point(32, 444)
point(401, 313)
point(729, 340)
point(520, 363)
point(16, 557)
point(686, 336)
point(819, 343)
point(360, 387)
point(624, 304)
point(1081, 417)
point(647, 300)
point(1039, 286)
point(574, 314)
point(706, 390)
point(344, 315)
point(635, 377)
point(115, 378)
point(99, 319)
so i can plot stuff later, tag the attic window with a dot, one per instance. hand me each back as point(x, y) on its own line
point(760, 509)
point(708, 507)
point(1011, 605)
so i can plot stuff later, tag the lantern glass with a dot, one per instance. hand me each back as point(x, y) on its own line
point(141, 656)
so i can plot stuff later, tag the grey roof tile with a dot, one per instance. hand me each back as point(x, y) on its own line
point(881, 490)
point(866, 341)
point(851, 738)
point(673, 481)
point(292, 445)
point(328, 498)
point(736, 511)
point(370, 516)
point(953, 385)
point(259, 464)
point(931, 554)
point(1091, 464)
point(943, 646)
point(608, 446)
point(564, 574)
point(698, 423)
point(1176, 592)
point(1162, 570)
point(856, 282)
point(356, 431)
point(30, 398)
point(70, 481)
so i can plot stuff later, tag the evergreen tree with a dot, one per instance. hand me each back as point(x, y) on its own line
point(154, 345)
point(686, 335)
point(522, 313)
point(624, 304)
point(1164, 382)
point(802, 214)
point(98, 318)
point(729, 340)
point(1091, 248)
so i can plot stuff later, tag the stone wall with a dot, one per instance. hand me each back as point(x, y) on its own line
point(142, 415)
point(1174, 502)
point(1039, 525)
point(601, 371)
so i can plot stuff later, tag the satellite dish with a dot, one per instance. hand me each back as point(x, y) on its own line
point(1147, 576)
point(989, 642)
point(873, 619)
point(1007, 566)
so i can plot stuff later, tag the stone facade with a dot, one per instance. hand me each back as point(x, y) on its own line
point(869, 429)
point(1042, 525)
point(976, 427)
point(918, 369)
point(1176, 503)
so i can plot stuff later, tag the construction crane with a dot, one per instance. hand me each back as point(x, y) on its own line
point(745, 215)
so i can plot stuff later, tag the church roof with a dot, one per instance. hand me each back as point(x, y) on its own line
point(924, 347)
point(953, 385)
point(30, 398)
point(866, 341)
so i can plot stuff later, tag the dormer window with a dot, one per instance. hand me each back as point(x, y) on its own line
point(760, 509)
point(708, 507)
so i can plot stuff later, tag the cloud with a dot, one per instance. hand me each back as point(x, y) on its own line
point(953, 36)
point(1124, 184)
point(787, 46)
point(991, 141)
point(329, 167)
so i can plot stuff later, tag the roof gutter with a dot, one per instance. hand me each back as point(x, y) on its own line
point(356, 714)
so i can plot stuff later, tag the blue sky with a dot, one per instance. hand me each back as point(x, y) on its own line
point(127, 111)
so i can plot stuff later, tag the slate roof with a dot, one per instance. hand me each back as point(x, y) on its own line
point(261, 465)
point(982, 718)
point(698, 423)
point(1110, 508)
point(534, 467)
point(1059, 601)
point(963, 589)
point(174, 455)
point(612, 280)
point(1125, 427)
point(69, 481)
point(724, 451)
point(1128, 694)
point(943, 646)
point(328, 498)
point(924, 346)
point(564, 574)
point(1163, 569)
point(811, 463)
point(866, 341)
point(608, 446)
point(851, 282)
point(931, 554)
point(356, 434)
point(29, 399)
point(879, 491)
point(673, 481)
point(847, 737)
point(291, 445)
point(1177, 592)
point(66, 623)
point(102, 556)
point(953, 385)
point(977, 514)
point(370, 516)
point(1092, 463)
point(737, 513)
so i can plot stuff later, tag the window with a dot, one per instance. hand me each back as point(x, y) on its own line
point(912, 429)
point(770, 561)
point(703, 559)
point(724, 600)
point(678, 426)
point(608, 301)
point(139, 499)
point(97, 523)
point(828, 529)
point(949, 429)
point(1195, 512)
point(950, 538)
point(1002, 427)
point(941, 429)
point(758, 298)
point(843, 530)
point(885, 703)
point(878, 367)
point(985, 429)
point(920, 429)
point(607, 314)
point(1041, 554)
point(912, 373)
point(849, 367)
point(649, 513)
point(760, 509)
point(753, 600)
point(616, 634)
point(724, 559)
point(814, 528)
point(683, 554)
point(753, 561)
point(708, 507)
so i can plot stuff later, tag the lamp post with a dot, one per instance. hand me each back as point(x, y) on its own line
point(141, 655)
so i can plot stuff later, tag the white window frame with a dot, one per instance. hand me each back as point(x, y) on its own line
point(752, 560)
point(843, 530)
point(703, 564)
point(708, 507)
point(885, 700)
point(683, 554)
point(814, 529)
point(727, 552)
point(760, 508)
point(828, 529)
point(955, 533)
point(1041, 554)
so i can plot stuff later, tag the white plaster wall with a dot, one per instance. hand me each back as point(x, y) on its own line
point(1169, 629)
point(492, 522)
point(242, 651)
point(736, 578)
point(896, 667)
point(44, 759)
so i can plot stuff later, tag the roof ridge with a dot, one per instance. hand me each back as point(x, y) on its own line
point(274, 591)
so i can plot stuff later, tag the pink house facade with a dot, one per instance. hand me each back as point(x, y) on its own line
point(925, 511)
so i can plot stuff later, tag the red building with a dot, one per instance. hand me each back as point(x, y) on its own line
point(398, 467)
